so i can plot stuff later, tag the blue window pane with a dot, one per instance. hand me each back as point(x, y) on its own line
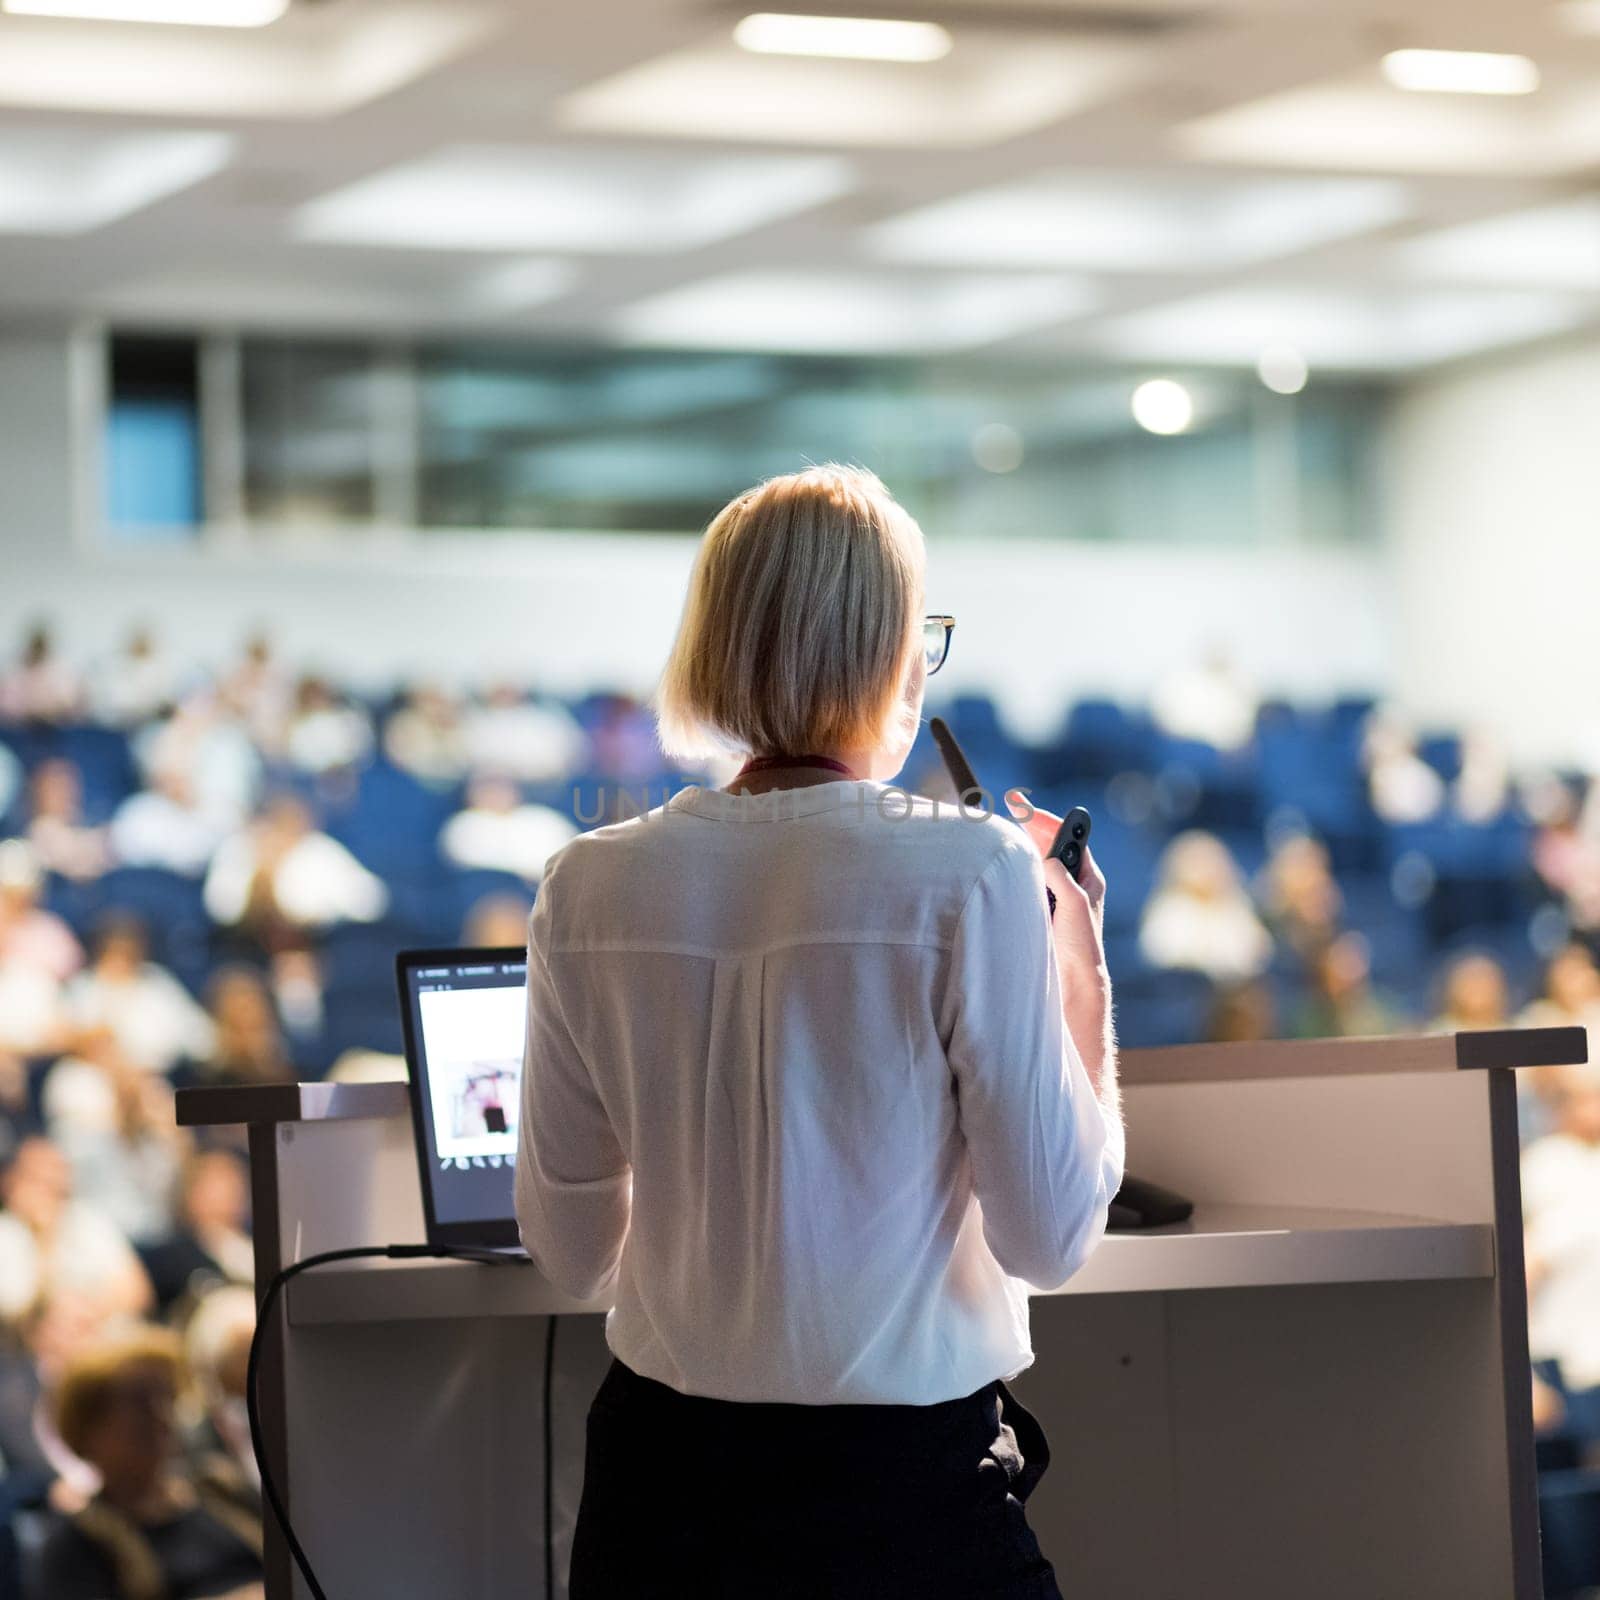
point(153, 469)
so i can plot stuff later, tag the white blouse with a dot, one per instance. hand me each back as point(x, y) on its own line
point(799, 1096)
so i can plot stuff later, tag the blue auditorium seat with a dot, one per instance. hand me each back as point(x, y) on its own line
point(1569, 1531)
point(1098, 740)
point(105, 763)
point(392, 822)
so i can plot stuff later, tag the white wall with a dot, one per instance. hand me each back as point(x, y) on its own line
point(1493, 492)
point(1037, 624)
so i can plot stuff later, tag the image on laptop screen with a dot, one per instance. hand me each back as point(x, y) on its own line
point(464, 1027)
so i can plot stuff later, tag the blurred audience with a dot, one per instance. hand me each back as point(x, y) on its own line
point(1342, 1002)
point(1475, 996)
point(1300, 899)
point(135, 684)
point(1561, 1211)
point(154, 1021)
point(53, 1243)
point(1400, 784)
point(280, 876)
point(207, 1241)
point(151, 1527)
point(61, 839)
point(1200, 916)
point(500, 830)
point(326, 731)
point(39, 686)
point(1212, 701)
point(427, 737)
point(528, 741)
point(166, 827)
point(247, 1043)
point(497, 920)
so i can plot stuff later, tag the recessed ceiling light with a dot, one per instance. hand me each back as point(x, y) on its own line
point(523, 198)
point(193, 13)
point(1460, 72)
point(780, 33)
point(67, 181)
point(1139, 221)
point(1282, 368)
point(1162, 405)
point(850, 311)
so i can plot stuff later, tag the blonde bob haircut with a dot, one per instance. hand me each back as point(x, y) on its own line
point(803, 614)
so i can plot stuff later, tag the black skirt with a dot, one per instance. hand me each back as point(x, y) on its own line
point(689, 1496)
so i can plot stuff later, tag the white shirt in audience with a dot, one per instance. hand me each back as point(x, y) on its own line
point(520, 840)
point(1561, 1210)
point(317, 882)
point(533, 743)
point(151, 829)
point(156, 1021)
point(797, 1082)
point(1223, 938)
point(87, 1252)
point(31, 1009)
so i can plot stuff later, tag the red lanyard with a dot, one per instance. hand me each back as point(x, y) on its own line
point(774, 763)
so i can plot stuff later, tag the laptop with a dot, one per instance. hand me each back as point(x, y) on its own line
point(463, 1013)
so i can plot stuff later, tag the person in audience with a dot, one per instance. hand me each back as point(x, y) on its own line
point(206, 746)
point(1300, 899)
point(40, 686)
point(248, 1045)
point(165, 826)
point(1570, 996)
point(1476, 995)
point(216, 1341)
point(326, 733)
point(30, 936)
point(209, 1240)
point(280, 878)
point(53, 1243)
point(1482, 789)
point(1343, 1002)
point(1561, 1214)
point(1199, 914)
point(1566, 848)
point(61, 839)
point(1241, 1012)
point(116, 1125)
point(294, 978)
point(150, 1529)
point(528, 741)
point(135, 685)
point(1401, 785)
point(259, 693)
point(498, 830)
point(497, 920)
point(427, 737)
point(34, 1350)
point(622, 743)
point(1212, 701)
point(154, 1020)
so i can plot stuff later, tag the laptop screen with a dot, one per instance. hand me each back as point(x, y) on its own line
point(465, 1030)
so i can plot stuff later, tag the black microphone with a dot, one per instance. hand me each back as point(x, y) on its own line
point(968, 790)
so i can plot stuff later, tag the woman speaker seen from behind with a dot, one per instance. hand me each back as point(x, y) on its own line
point(816, 1087)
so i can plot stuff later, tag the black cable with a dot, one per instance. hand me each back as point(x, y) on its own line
point(392, 1252)
point(549, 1459)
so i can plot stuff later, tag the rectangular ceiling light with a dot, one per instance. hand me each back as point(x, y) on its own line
point(779, 33)
point(65, 181)
point(871, 313)
point(523, 198)
point(1139, 221)
point(1338, 327)
point(1555, 247)
point(1460, 72)
point(193, 13)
